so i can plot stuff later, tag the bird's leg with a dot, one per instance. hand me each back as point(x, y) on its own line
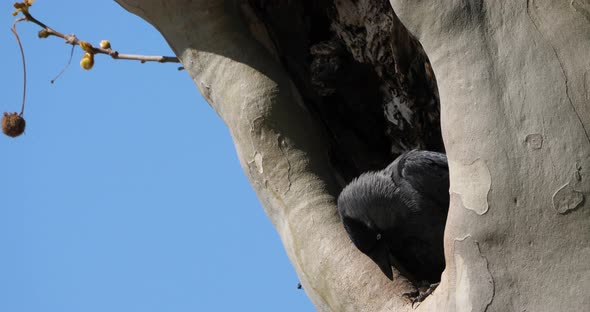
point(424, 292)
point(403, 271)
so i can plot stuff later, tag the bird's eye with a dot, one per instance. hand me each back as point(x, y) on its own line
point(379, 236)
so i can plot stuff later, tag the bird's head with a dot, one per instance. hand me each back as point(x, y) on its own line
point(371, 242)
point(365, 207)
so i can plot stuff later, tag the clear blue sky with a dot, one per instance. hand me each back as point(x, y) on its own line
point(125, 192)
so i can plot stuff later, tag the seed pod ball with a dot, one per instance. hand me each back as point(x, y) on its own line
point(13, 124)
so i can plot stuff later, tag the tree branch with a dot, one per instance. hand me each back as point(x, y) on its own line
point(73, 40)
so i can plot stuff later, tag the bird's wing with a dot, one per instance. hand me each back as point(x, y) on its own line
point(427, 172)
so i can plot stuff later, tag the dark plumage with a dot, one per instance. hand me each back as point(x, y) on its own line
point(397, 215)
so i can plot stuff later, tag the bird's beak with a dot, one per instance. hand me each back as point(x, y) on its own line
point(380, 255)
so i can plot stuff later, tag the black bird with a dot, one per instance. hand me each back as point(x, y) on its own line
point(398, 215)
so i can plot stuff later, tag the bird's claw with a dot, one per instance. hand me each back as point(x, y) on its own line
point(423, 294)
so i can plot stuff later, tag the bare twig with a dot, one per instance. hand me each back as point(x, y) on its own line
point(73, 40)
point(65, 67)
point(22, 54)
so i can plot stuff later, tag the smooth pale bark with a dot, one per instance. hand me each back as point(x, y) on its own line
point(281, 149)
point(513, 87)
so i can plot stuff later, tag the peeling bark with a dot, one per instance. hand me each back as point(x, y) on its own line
point(513, 101)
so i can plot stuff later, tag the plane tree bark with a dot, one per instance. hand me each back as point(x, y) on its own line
point(314, 94)
point(515, 118)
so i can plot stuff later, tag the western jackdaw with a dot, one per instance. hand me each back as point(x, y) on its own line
point(397, 216)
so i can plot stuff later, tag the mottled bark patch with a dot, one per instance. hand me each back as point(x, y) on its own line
point(474, 282)
point(472, 182)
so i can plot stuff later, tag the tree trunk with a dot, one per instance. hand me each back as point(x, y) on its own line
point(514, 96)
point(515, 116)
